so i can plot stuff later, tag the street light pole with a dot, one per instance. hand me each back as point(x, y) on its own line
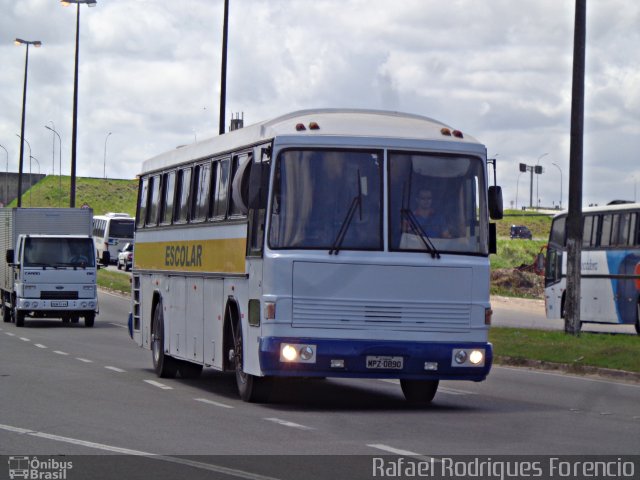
point(223, 69)
point(23, 141)
point(59, 158)
point(105, 154)
point(6, 176)
point(36, 43)
point(74, 131)
point(558, 167)
point(538, 179)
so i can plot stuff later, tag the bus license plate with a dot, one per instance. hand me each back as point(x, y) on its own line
point(384, 362)
point(59, 303)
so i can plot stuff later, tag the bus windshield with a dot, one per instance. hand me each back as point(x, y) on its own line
point(439, 198)
point(318, 193)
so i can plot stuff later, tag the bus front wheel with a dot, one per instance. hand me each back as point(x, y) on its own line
point(419, 391)
point(250, 387)
point(164, 365)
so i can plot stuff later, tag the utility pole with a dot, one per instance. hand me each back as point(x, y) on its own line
point(574, 218)
point(223, 68)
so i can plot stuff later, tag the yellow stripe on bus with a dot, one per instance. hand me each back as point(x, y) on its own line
point(222, 255)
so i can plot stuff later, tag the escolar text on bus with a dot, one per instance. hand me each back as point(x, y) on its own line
point(183, 256)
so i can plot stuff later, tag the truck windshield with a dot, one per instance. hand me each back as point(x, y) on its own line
point(327, 199)
point(59, 252)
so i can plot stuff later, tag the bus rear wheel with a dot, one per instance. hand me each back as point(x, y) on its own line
point(419, 391)
point(164, 365)
point(250, 388)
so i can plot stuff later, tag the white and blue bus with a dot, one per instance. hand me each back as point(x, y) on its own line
point(292, 248)
point(610, 265)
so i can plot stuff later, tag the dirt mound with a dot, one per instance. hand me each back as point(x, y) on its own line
point(518, 283)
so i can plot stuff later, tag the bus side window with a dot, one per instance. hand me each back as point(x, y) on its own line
point(154, 201)
point(142, 202)
point(222, 189)
point(201, 186)
point(184, 184)
point(168, 202)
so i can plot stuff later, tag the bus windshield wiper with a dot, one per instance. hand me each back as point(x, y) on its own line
point(419, 231)
point(355, 203)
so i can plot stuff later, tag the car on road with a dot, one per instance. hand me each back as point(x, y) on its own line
point(125, 257)
point(520, 231)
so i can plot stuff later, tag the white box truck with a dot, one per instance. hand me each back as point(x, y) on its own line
point(47, 264)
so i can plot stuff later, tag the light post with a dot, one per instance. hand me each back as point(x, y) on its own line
point(538, 178)
point(533, 169)
point(35, 43)
point(30, 178)
point(74, 134)
point(23, 141)
point(6, 175)
point(556, 165)
point(517, 187)
point(59, 156)
point(105, 154)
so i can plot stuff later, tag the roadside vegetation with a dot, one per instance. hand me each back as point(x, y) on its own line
point(519, 346)
point(119, 282)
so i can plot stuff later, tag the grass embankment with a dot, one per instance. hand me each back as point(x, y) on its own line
point(102, 195)
point(613, 351)
point(117, 281)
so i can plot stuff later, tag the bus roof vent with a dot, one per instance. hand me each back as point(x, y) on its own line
point(114, 215)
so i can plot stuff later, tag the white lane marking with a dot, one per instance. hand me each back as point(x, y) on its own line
point(286, 423)
point(118, 325)
point(39, 345)
point(85, 360)
point(10, 334)
point(395, 451)
point(60, 353)
point(211, 402)
point(115, 369)
point(127, 451)
point(25, 339)
point(159, 385)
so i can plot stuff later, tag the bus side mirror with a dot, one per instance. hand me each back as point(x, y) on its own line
point(9, 255)
point(495, 203)
point(258, 185)
point(540, 264)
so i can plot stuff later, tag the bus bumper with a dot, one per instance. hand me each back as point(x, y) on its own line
point(374, 359)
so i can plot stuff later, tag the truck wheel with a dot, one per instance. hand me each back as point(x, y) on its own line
point(419, 391)
point(89, 319)
point(19, 316)
point(165, 365)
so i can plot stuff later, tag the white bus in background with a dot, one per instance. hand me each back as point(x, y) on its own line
point(290, 248)
point(610, 265)
point(111, 233)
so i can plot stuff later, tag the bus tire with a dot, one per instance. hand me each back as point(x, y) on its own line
point(419, 391)
point(189, 370)
point(19, 316)
point(250, 387)
point(89, 319)
point(164, 365)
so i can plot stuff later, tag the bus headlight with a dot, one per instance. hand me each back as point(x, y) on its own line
point(297, 353)
point(468, 357)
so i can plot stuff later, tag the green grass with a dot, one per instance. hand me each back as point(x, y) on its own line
point(615, 351)
point(116, 281)
point(539, 224)
point(102, 195)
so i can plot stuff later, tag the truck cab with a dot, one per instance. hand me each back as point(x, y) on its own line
point(54, 277)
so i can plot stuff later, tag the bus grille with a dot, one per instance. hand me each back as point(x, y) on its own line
point(310, 312)
point(56, 295)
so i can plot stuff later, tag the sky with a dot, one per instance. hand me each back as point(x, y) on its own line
point(499, 70)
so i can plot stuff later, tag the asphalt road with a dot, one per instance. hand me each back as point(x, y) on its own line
point(70, 390)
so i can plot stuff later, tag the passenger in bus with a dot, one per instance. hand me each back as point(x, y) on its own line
point(432, 221)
